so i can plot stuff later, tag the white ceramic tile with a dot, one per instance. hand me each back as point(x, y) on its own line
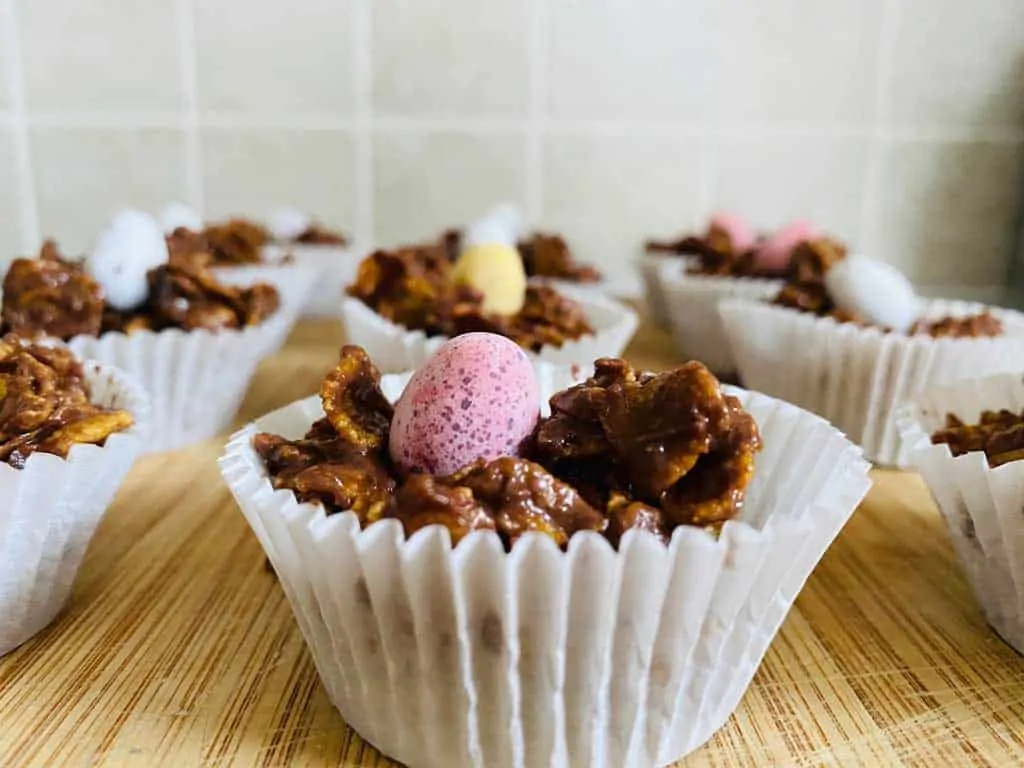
point(85, 176)
point(437, 56)
point(945, 213)
point(426, 181)
point(607, 195)
point(114, 54)
point(273, 56)
point(627, 60)
point(10, 212)
point(774, 180)
point(797, 60)
point(253, 172)
point(7, 38)
point(957, 62)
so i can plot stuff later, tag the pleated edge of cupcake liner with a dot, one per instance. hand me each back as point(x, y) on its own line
point(963, 475)
point(119, 390)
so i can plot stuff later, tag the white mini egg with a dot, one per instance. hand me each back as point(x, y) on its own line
point(179, 215)
point(501, 225)
point(509, 216)
point(288, 224)
point(126, 250)
point(877, 291)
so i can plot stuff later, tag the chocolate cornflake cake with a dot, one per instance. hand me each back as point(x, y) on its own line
point(45, 403)
point(413, 287)
point(317, 234)
point(999, 434)
point(805, 290)
point(51, 295)
point(222, 244)
point(239, 241)
point(713, 255)
point(622, 450)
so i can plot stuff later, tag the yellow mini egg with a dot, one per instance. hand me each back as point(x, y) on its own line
point(497, 272)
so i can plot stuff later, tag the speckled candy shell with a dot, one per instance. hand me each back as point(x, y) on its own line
point(476, 398)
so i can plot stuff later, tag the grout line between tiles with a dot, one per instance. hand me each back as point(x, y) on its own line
point(397, 124)
point(192, 145)
point(536, 130)
point(471, 125)
point(889, 23)
point(362, 74)
point(29, 204)
point(707, 179)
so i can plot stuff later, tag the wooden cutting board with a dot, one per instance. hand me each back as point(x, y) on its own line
point(179, 649)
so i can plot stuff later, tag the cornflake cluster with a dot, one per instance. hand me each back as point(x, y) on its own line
point(237, 242)
point(805, 291)
point(53, 296)
point(1000, 434)
point(44, 403)
point(714, 255)
point(622, 450)
point(412, 287)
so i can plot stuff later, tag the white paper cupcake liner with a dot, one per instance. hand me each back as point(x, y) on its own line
point(652, 267)
point(982, 506)
point(589, 657)
point(196, 380)
point(395, 348)
point(336, 265)
point(295, 284)
point(857, 377)
point(692, 305)
point(50, 509)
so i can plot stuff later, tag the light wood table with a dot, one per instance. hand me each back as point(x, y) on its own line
point(179, 649)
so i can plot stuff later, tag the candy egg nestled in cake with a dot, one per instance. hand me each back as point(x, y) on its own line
point(876, 291)
point(476, 398)
point(496, 271)
point(176, 216)
point(491, 263)
point(503, 224)
point(735, 229)
point(774, 253)
point(287, 224)
point(132, 245)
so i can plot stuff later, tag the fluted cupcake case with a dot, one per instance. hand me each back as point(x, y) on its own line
point(652, 269)
point(590, 657)
point(982, 506)
point(195, 379)
point(858, 377)
point(395, 348)
point(49, 511)
point(336, 266)
point(692, 305)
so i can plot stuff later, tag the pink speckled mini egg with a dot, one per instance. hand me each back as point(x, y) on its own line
point(773, 254)
point(476, 398)
point(741, 235)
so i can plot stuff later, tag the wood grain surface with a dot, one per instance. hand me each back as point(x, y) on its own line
point(179, 649)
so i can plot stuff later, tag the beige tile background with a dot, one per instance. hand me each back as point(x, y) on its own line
point(898, 124)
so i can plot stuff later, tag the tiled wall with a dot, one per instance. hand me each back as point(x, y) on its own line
point(899, 124)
